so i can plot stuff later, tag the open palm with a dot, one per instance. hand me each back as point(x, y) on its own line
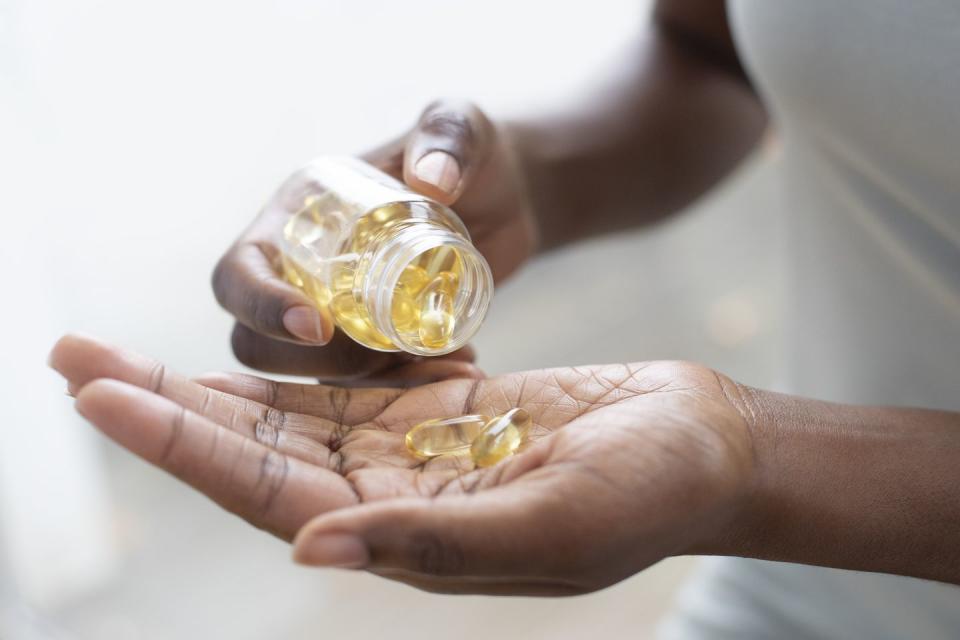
point(625, 465)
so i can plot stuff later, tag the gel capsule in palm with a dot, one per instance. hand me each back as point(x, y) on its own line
point(444, 436)
point(500, 438)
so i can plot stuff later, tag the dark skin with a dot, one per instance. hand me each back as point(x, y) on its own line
point(627, 463)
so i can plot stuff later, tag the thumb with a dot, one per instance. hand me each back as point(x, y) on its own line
point(502, 532)
point(445, 148)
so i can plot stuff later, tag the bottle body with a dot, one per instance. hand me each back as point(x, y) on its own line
point(396, 269)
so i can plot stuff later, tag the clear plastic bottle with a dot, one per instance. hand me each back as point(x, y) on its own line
point(396, 269)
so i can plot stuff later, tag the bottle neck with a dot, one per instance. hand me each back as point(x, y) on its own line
point(381, 266)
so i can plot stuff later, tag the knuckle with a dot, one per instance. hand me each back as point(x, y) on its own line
point(266, 434)
point(270, 427)
point(451, 105)
point(265, 312)
point(176, 430)
point(433, 556)
point(449, 123)
point(155, 377)
point(274, 469)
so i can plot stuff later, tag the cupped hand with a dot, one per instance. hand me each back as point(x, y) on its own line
point(625, 465)
point(455, 155)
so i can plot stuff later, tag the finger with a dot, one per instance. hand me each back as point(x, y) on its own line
point(269, 489)
point(342, 361)
point(384, 409)
point(519, 531)
point(343, 404)
point(246, 280)
point(490, 586)
point(465, 354)
point(421, 372)
point(448, 144)
point(81, 360)
point(339, 358)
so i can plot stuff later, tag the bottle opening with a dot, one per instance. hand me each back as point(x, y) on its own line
point(428, 289)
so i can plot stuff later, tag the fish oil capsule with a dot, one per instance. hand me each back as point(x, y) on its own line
point(353, 321)
point(373, 223)
point(436, 310)
point(444, 436)
point(406, 313)
point(341, 278)
point(500, 438)
point(413, 279)
point(291, 272)
point(439, 260)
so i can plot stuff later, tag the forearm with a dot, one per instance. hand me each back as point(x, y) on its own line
point(677, 119)
point(865, 488)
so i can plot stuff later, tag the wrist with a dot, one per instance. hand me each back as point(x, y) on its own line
point(729, 470)
point(734, 526)
point(851, 487)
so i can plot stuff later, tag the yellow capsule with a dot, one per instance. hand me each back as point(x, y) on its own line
point(439, 260)
point(413, 279)
point(404, 313)
point(436, 328)
point(290, 271)
point(369, 225)
point(437, 321)
point(352, 319)
point(389, 213)
point(341, 277)
point(302, 228)
point(363, 229)
point(444, 436)
point(500, 438)
point(317, 226)
point(312, 286)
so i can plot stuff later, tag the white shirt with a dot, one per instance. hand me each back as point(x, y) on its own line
point(866, 99)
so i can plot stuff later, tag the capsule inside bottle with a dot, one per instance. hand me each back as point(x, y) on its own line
point(413, 280)
point(500, 437)
point(353, 321)
point(436, 310)
point(444, 436)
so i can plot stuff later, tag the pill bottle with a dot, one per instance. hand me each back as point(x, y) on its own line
point(396, 269)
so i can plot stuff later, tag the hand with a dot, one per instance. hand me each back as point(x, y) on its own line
point(626, 465)
point(455, 155)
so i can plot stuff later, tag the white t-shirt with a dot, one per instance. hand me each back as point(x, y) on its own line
point(866, 99)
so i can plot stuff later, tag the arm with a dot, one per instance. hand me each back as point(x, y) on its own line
point(678, 117)
point(865, 488)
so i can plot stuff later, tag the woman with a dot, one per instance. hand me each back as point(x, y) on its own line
point(635, 462)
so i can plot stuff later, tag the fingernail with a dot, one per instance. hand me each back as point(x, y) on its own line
point(341, 550)
point(440, 169)
point(304, 323)
point(72, 389)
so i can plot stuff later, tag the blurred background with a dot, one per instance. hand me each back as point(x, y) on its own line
point(137, 139)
